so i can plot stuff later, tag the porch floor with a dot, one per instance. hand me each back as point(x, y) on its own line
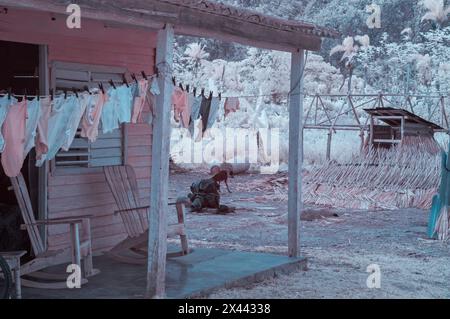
point(195, 275)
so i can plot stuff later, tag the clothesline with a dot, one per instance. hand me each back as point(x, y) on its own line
point(50, 125)
point(223, 96)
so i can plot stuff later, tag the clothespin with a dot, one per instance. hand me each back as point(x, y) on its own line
point(51, 94)
point(100, 85)
point(65, 94)
point(38, 95)
point(133, 76)
point(188, 88)
point(9, 93)
point(75, 91)
point(86, 88)
point(174, 81)
point(125, 80)
point(220, 96)
point(203, 93)
point(155, 70)
point(25, 94)
point(181, 87)
point(112, 84)
point(210, 95)
point(144, 75)
point(195, 91)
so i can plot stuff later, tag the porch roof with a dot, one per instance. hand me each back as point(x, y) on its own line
point(200, 18)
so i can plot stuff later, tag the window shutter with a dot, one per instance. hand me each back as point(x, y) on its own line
point(108, 148)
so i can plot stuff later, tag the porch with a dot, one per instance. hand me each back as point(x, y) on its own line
point(196, 275)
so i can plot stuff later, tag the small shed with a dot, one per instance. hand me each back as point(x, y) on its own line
point(391, 126)
point(116, 39)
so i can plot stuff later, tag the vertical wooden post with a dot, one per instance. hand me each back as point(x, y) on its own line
point(372, 130)
point(295, 152)
point(44, 85)
point(157, 240)
point(330, 136)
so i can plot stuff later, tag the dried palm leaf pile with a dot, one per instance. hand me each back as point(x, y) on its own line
point(405, 176)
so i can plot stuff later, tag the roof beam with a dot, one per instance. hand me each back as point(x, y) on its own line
point(186, 21)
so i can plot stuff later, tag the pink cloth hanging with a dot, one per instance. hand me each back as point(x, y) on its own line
point(139, 101)
point(232, 104)
point(13, 131)
point(181, 107)
point(92, 115)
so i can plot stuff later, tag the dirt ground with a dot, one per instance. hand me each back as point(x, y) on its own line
point(339, 245)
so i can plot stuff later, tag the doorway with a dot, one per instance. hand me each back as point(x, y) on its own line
point(21, 74)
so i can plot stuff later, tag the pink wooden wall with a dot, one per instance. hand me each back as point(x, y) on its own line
point(88, 193)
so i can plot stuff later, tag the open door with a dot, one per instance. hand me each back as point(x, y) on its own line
point(23, 70)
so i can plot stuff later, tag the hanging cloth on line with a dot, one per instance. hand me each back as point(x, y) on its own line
point(205, 108)
point(91, 118)
point(13, 131)
point(5, 103)
point(181, 107)
point(74, 120)
point(124, 97)
point(110, 112)
point(232, 104)
point(214, 110)
point(34, 112)
point(154, 91)
point(58, 125)
point(42, 129)
point(139, 101)
point(195, 102)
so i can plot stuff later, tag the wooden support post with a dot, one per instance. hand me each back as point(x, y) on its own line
point(295, 152)
point(330, 135)
point(444, 114)
point(372, 131)
point(157, 241)
point(44, 89)
point(362, 137)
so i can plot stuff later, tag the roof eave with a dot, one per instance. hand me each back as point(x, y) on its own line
point(191, 21)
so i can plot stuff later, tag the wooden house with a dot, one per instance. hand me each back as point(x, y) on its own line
point(39, 51)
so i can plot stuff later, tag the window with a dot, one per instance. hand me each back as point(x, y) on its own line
point(105, 151)
point(108, 149)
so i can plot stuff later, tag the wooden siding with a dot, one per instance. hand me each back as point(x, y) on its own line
point(85, 191)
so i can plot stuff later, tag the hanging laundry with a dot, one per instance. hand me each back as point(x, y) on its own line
point(75, 118)
point(181, 107)
point(154, 91)
point(125, 103)
point(205, 108)
point(34, 112)
point(199, 135)
point(154, 87)
point(214, 109)
point(232, 104)
point(139, 101)
point(195, 103)
point(58, 125)
point(5, 103)
point(91, 118)
point(110, 112)
point(13, 131)
point(41, 140)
